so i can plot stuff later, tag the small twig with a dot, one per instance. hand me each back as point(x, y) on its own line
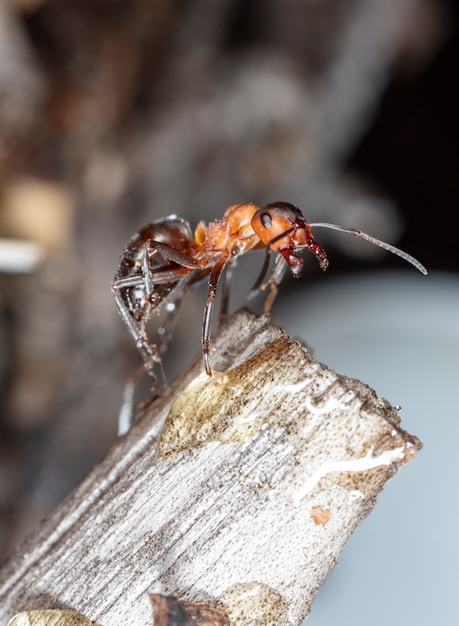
point(245, 496)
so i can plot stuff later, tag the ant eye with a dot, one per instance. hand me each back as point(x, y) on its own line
point(266, 220)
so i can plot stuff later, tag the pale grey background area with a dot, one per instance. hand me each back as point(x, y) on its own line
point(398, 332)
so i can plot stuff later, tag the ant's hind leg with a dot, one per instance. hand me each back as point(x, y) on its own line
point(126, 415)
point(149, 352)
point(150, 357)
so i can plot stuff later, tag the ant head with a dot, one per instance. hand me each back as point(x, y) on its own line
point(282, 227)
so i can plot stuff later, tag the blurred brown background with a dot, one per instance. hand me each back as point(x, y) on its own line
point(115, 113)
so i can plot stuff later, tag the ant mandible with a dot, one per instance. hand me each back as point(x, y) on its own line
point(163, 261)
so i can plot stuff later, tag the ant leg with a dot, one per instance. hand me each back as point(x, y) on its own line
point(273, 283)
point(146, 271)
point(152, 277)
point(149, 290)
point(146, 282)
point(149, 356)
point(148, 352)
point(226, 293)
point(258, 285)
point(126, 414)
point(168, 253)
point(206, 325)
point(274, 290)
point(174, 304)
point(165, 331)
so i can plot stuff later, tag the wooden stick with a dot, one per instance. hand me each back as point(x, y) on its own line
point(241, 492)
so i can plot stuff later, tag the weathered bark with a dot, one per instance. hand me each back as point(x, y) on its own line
point(241, 492)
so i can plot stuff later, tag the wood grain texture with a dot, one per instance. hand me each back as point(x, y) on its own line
point(244, 492)
point(50, 618)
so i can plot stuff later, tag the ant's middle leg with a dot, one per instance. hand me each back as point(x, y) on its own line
point(224, 307)
point(206, 325)
point(173, 306)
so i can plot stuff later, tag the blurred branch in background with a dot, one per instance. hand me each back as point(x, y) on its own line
point(113, 114)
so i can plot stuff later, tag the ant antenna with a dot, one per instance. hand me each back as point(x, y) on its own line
point(377, 242)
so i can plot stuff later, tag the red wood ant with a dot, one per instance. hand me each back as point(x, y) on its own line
point(163, 261)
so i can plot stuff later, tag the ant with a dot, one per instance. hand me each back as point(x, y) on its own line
point(164, 260)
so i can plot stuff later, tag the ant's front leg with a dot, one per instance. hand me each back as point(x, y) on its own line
point(272, 283)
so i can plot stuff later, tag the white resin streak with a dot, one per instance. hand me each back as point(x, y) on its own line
point(352, 465)
point(219, 516)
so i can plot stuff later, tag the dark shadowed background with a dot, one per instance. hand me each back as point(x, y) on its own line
point(115, 113)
